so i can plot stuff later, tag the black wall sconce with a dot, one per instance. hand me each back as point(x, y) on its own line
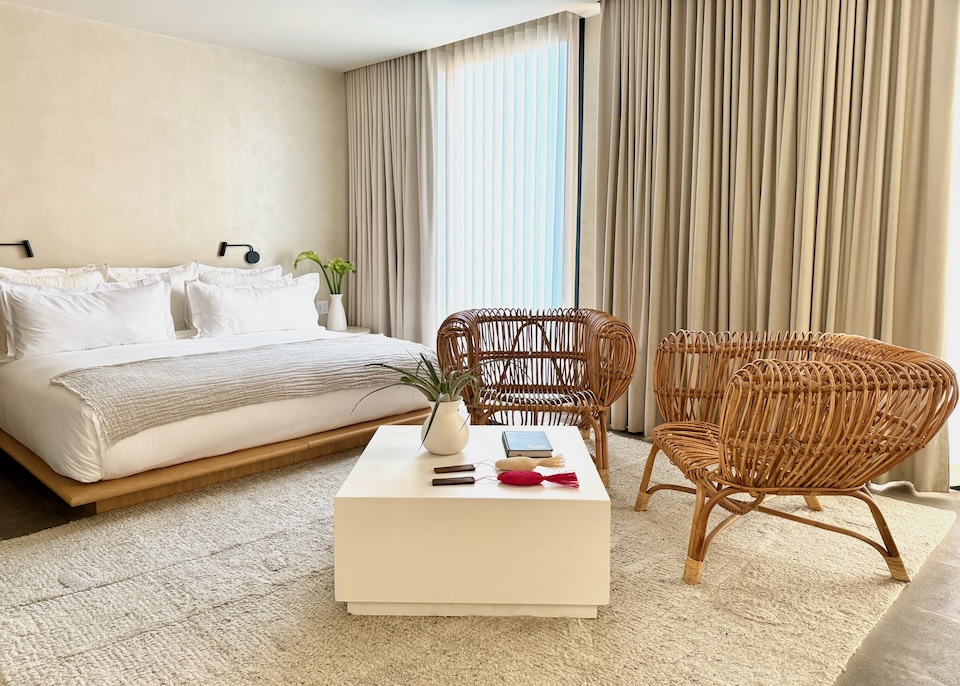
point(252, 256)
point(25, 245)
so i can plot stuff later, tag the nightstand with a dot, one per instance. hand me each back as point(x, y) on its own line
point(357, 330)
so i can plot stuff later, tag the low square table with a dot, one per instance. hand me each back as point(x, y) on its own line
point(405, 547)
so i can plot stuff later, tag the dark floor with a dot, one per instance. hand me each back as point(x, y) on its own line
point(917, 643)
point(26, 505)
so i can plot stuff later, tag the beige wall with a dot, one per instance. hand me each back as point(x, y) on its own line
point(129, 148)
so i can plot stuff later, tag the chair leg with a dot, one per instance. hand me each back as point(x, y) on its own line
point(813, 503)
point(643, 497)
point(602, 458)
point(695, 550)
point(894, 562)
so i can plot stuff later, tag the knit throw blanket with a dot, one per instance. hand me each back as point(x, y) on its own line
point(134, 396)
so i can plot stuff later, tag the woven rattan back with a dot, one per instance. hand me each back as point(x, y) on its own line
point(521, 351)
point(804, 410)
point(525, 357)
point(692, 368)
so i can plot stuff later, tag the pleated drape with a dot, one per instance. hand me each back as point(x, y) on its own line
point(463, 177)
point(391, 209)
point(775, 165)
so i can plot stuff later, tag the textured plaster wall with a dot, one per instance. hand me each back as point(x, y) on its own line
point(130, 148)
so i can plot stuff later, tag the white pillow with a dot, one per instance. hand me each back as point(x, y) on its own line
point(79, 277)
point(8, 272)
point(246, 308)
point(7, 328)
point(47, 322)
point(178, 279)
point(61, 280)
point(234, 277)
point(226, 276)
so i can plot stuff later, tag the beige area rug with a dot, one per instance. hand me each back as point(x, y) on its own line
point(234, 585)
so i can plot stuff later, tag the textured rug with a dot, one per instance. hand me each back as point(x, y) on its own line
point(234, 585)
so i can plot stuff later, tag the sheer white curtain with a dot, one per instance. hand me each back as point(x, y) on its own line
point(505, 179)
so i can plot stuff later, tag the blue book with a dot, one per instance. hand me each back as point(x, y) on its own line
point(529, 443)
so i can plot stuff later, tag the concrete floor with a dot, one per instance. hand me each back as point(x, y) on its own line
point(917, 643)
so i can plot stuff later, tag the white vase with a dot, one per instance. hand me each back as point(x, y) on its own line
point(449, 431)
point(336, 316)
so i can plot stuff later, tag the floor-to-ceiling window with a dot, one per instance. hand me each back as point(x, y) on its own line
point(505, 165)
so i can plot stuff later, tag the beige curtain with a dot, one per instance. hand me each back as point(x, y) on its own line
point(775, 165)
point(391, 209)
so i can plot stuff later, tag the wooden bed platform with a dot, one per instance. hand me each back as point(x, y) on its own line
point(103, 496)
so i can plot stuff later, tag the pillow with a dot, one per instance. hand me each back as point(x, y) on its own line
point(75, 280)
point(80, 277)
point(228, 276)
point(45, 322)
point(234, 277)
point(7, 328)
point(178, 279)
point(8, 272)
point(246, 308)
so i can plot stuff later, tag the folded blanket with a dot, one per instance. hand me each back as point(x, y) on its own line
point(134, 396)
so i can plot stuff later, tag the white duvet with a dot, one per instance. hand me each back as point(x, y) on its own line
point(63, 430)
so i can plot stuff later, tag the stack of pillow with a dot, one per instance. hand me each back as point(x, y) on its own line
point(79, 308)
point(222, 302)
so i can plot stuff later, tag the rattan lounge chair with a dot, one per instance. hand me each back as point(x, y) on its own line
point(564, 366)
point(757, 415)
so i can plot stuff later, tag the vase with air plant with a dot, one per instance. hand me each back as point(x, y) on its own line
point(447, 429)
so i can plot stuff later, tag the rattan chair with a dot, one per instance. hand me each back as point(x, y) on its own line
point(564, 366)
point(799, 414)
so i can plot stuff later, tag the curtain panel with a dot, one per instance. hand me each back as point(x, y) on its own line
point(390, 142)
point(775, 165)
point(463, 177)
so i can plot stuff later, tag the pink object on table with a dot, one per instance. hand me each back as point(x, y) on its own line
point(517, 478)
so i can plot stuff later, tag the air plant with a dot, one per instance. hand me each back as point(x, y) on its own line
point(437, 384)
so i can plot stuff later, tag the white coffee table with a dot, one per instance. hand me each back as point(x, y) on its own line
point(405, 547)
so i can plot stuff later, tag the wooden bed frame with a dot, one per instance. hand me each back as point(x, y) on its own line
point(102, 496)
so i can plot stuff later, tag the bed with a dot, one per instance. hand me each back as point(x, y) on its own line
point(65, 439)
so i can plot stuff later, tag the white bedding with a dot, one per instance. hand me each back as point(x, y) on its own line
point(63, 430)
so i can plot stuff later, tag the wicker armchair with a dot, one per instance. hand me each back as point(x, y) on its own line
point(563, 366)
point(805, 414)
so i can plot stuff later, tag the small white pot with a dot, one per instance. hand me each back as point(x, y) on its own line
point(449, 431)
point(336, 316)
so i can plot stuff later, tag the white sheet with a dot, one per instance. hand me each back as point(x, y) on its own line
point(60, 428)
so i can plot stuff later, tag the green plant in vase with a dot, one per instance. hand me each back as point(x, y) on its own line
point(438, 385)
point(333, 270)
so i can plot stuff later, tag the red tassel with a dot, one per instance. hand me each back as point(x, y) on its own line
point(517, 478)
point(565, 479)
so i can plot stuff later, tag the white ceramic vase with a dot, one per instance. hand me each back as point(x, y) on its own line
point(449, 431)
point(336, 316)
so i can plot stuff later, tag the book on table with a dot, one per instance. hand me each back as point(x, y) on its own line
point(529, 443)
